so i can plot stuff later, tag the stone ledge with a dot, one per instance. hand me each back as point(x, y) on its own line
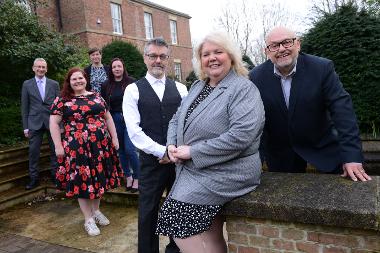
point(313, 199)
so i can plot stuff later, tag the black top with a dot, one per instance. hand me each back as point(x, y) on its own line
point(115, 98)
point(113, 93)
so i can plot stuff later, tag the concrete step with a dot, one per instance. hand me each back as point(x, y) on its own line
point(7, 155)
point(18, 194)
point(21, 167)
point(20, 177)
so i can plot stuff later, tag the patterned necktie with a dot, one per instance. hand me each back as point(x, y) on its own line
point(41, 89)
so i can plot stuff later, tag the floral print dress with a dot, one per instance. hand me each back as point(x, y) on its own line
point(90, 165)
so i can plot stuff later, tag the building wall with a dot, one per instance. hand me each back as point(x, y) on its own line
point(81, 18)
point(247, 235)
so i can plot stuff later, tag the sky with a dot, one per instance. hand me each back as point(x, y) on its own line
point(204, 12)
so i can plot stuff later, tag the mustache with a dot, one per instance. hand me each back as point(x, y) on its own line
point(158, 65)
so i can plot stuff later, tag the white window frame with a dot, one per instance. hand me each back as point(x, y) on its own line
point(116, 18)
point(178, 71)
point(173, 31)
point(148, 22)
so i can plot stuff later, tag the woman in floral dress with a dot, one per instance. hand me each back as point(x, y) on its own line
point(87, 161)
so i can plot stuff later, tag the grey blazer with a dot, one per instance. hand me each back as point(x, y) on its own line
point(35, 112)
point(224, 134)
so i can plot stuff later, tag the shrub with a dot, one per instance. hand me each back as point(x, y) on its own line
point(350, 37)
point(129, 53)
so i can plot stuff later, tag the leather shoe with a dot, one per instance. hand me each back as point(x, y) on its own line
point(32, 184)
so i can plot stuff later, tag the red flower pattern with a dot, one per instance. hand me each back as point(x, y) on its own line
point(90, 164)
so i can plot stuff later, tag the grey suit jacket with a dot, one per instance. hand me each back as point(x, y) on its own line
point(35, 112)
point(224, 134)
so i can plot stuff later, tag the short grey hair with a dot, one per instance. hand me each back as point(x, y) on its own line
point(38, 59)
point(158, 41)
point(222, 39)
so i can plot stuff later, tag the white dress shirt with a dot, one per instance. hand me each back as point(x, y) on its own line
point(286, 82)
point(42, 83)
point(132, 115)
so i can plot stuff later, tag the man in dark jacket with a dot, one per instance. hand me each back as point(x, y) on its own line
point(309, 116)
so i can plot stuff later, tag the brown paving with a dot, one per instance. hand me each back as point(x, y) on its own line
point(60, 222)
point(11, 243)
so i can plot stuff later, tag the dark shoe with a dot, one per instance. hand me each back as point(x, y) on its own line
point(133, 190)
point(135, 186)
point(32, 184)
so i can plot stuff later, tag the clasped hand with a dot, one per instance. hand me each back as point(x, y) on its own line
point(179, 154)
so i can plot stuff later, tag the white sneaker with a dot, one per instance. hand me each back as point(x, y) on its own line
point(91, 227)
point(100, 218)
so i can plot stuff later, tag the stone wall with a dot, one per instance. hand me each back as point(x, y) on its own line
point(310, 213)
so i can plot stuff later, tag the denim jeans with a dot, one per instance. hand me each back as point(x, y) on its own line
point(127, 151)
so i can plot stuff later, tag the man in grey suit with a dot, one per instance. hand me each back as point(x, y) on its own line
point(37, 96)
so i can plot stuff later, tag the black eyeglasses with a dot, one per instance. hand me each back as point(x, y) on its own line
point(274, 47)
point(154, 57)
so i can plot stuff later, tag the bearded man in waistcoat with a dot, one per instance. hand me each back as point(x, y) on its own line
point(148, 106)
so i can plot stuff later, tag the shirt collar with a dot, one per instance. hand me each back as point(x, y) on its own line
point(43, 79)
point(278, 73)
point(151, 79)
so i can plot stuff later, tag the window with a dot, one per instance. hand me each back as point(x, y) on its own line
point(148, 25)
point(116, 18)
point(177, 71)
point(173, 31)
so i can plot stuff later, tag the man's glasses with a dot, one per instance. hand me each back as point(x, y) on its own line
point(154, 57)
point(274, 47)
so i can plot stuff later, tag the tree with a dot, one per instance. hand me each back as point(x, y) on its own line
point(249, 23)
point(248, 61)
point(22, 39)
point(350, 37)
point(191, 78)
point(133, 59)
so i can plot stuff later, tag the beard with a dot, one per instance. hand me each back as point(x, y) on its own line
point(157, 71)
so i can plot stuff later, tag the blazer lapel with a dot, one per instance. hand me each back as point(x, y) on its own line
point(193, 94)
point(278, 95)
point(216, 93)
point(296, 87)
point(47, 88)
point(35, 88)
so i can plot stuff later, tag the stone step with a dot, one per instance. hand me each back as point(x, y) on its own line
point(19, 177)
point(7, 155)
point(18, 164)
point(120, 197)
point(18, 194)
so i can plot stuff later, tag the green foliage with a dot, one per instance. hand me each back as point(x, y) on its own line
point(22, 39)
point(191, 78)
point(133, 59)
point(10, 122)
point(350, 37)
point(248, 61)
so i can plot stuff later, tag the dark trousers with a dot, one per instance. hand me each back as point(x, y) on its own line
point(35, 141)
point(154, 179)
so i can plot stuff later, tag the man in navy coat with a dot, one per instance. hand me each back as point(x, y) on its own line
point(309, 116)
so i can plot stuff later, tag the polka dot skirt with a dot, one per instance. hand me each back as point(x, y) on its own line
point(180, 220)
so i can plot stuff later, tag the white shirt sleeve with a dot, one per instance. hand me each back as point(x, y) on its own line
point(182, 89)
point(132, 121)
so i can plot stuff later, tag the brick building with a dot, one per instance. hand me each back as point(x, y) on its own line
point(99, 22)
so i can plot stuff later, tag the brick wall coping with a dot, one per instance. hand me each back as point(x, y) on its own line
point(313, 199)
